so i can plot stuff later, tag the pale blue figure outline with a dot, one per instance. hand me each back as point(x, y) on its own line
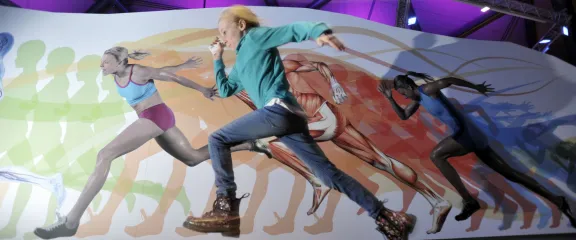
point(509, 136)
point(53, 184)
point(6, 43)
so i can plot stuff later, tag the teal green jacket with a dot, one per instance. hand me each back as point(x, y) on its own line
point(258, 68)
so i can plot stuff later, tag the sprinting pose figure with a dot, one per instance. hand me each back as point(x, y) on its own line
point(465, 138)
point(327, 123)
point(53, 184)
point(156, 121)
point(259, 71)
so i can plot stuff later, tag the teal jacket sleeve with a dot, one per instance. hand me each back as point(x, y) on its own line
point(271, 37)
point(227, 85)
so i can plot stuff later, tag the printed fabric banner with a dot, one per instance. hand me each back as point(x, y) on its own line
point(464, 163)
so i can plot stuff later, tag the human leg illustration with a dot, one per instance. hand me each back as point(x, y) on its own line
point(353, 141)
point(45, 130)
point(153, 223)
point(258, 124)
point(174, 143)
point(448, 148)
point(286, 157)
point(53, 184)
point(134, 136)
point(494, 161)
point(263, 169)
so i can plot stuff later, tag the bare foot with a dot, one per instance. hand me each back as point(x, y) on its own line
point(322, 225)
point(509, 210)
point(320, 193)
point(529, 211)
point(477, 217)
point(468, 209)
point(247, 224)
point(152, 225)
point(441, 211)
point(556, 216)
point(97, 226)
point(283, 225)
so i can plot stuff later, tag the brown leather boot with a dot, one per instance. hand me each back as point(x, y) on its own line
point(224, 217)
point(395, 225)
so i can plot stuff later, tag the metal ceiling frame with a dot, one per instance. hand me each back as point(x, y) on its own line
point(485, 21)
point(9, 3)
point(150, 4)
point(118, 5)
point(402, 12)
point(558, 19)
point(371, 9)
point(510, 29)
point(412, 12)
point(521, 9)
point(315, 4)
point(271, 3)
point(101, 6)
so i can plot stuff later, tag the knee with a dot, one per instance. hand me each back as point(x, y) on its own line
point(105, 156)
point(191, 162)
point(216, 138)
point(437, 157)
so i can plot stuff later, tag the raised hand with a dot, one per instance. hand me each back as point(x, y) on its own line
point(330, 40)
point(193, 62)
point(384, 89)
point(338, 93)
point(216, 48)
point(209, 92)
point(484, 88)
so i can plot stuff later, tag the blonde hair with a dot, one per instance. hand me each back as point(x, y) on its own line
point(240, 12)
point(121, 54)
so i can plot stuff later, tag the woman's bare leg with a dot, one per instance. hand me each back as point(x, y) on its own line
point(445, 149)
point(130, 139)
point(175, 143)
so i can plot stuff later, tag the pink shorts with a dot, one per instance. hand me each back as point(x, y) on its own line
point(161, 115)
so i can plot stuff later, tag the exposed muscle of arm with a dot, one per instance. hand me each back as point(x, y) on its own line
point(243, 96)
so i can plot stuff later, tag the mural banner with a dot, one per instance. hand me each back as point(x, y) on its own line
point(474, 138)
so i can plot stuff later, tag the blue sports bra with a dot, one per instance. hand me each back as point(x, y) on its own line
point(441, 109)
point(134, 92)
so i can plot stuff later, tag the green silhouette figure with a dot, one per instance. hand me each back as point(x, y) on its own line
point(45, 134)
point(16, 108)
point(84, 110)
point(18, 102)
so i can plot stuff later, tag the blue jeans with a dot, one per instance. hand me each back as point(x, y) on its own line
point(292, 130)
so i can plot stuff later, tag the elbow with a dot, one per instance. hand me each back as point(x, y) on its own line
point(444, 83)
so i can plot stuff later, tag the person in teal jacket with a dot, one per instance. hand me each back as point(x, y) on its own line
point(259, 71)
